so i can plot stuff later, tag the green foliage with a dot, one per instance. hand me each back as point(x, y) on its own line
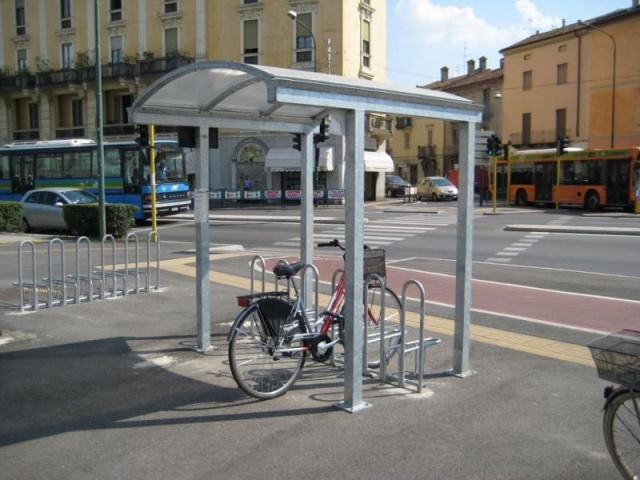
point(84, 219)
point(84, 59)
point(42, 65)
point(10, 217)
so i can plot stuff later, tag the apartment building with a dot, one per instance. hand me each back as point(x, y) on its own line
point(424, 147)
point(48, 56)
point(581, 80)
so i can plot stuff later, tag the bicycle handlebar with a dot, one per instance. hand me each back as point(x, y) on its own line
point(336, 243)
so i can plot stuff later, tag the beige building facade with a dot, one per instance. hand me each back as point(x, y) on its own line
point(48, 57)
point(423, 147)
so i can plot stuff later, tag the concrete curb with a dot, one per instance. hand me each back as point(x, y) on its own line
point(574, 229)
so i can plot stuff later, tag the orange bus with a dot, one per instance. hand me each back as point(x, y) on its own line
point(588, 178)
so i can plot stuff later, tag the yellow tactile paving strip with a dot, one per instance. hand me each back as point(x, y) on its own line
point(544, 347)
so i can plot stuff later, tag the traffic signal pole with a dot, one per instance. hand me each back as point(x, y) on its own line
point(152, 173)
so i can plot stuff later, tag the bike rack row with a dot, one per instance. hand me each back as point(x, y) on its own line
point(415, 348)
point(86, 282)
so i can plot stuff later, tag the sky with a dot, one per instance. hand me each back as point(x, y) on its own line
point(425, 35)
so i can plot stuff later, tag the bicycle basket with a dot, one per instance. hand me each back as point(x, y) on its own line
point(374, 262)
point(617, 357)
point(275, 313)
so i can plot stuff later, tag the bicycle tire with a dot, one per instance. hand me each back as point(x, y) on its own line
point(261, 363)
point(392, 312)
point(621, 427)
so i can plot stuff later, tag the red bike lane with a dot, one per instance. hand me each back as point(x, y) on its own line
point(510, 300)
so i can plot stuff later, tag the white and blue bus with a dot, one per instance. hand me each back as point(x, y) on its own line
point(74, 163)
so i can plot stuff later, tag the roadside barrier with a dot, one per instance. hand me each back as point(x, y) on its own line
point(116, 274)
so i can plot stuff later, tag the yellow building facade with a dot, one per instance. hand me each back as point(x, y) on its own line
point(48, 74)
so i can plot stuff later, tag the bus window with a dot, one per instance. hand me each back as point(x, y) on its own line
point(112, 163)
point(5, 174)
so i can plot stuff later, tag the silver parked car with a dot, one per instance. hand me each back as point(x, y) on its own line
point(436, 188)
point(42, 207)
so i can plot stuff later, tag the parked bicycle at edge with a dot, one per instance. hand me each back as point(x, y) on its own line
point(273, 336)
point(617, 358)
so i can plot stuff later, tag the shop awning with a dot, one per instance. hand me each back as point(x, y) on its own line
point(378, 162)
point(289, 160)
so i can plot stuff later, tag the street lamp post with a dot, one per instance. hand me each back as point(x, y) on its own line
point(613, 76)
point(293, 15)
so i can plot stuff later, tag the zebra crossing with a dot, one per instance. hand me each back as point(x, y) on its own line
point(379, 233)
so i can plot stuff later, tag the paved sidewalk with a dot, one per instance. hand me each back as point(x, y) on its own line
point(114, 389)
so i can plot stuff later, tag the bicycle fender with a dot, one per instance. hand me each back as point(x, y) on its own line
point(610, 393)
point(236, 322)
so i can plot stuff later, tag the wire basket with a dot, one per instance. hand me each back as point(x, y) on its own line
point(617, 357)
point(374, 262)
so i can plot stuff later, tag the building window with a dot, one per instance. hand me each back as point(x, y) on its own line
point(65, 14)
point(23, 64)
point(366, 44)
point(66, 55)
point(526, 128)
point(250, 42)
point(171, 41)
point(250, 2)
point(562, 73)
point(407, 140)
point(527, 80)
point(116, 49)
point(170, 6)
point(304, 38)
point(76, 113)
point(34, 117)
point(562, 48)
point(21, 18)
point(527, 57)
point(115, 11)
point(561, 121)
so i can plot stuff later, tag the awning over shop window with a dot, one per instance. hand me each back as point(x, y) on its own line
point(289, 160)
point(378, 162)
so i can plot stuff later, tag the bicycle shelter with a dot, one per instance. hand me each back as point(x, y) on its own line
point(209, 95)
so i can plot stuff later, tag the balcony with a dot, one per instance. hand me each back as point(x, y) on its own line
point(19, 80)
point(427, 152)
point(119, 130)
point(22, 135)
point(159, 66)
point(378, 125)
point(57, 77)
point(70, 132)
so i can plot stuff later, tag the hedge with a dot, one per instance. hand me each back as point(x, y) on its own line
point(11, 217)
point(83, 219)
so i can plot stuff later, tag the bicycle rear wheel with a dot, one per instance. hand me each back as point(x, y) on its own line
point(264, 358)
point(621, 426)
point(392, 312)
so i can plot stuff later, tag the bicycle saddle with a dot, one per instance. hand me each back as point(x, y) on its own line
point(283, 270)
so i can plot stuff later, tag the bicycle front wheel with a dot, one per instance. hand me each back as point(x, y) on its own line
point(621, 426)
point(375, 323)
point(264, 357)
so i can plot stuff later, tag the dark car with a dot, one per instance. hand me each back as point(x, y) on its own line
point(42, 207)
point(394, 185)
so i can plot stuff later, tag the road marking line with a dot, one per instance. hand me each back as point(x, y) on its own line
point(561, 351)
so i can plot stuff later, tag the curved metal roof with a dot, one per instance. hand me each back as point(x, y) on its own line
point(237, 95)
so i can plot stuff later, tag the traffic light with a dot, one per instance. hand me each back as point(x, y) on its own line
point(497, 146)
point(143, 131)
point(325, 124)
point(297, 138)
point(562, 143)
point(490, 146)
